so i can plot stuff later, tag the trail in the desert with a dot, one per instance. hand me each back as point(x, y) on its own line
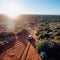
point(22, 49)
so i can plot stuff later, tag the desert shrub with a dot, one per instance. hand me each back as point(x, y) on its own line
point(47, 36)
point(58, 34)
point(49, 30)
point(58, 41)
point(58, 28)
point(3, 35)
point(51, 48)
point(46, 29)
point(1, 45)
point(39, 32)
point(42, 36)
point(40, 45)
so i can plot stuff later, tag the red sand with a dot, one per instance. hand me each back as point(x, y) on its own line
point(21, 49)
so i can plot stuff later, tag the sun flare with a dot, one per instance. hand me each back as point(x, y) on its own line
point(12, 9)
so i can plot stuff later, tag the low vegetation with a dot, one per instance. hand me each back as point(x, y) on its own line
point(48, 31)
point(6, 38)
point(49, 39)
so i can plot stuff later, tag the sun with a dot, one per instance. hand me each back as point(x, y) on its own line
point(12, 9)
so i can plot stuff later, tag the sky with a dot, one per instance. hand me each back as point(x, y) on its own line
point(14, 7)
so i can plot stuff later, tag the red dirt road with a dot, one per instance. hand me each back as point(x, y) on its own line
point(33, 54)
point(22, 49)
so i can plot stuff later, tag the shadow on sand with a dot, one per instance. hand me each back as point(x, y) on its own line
point(10, 44)
point(22, 37)
point(33, 42)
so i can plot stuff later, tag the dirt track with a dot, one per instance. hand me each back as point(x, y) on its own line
point(22, 49)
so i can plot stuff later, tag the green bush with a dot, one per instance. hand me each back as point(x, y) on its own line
point(40, 45)
point(1, 45)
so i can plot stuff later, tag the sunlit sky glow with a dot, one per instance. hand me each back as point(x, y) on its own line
point(14, 7)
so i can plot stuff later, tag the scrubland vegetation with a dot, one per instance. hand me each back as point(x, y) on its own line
point(48, 32)
point(49, 39)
